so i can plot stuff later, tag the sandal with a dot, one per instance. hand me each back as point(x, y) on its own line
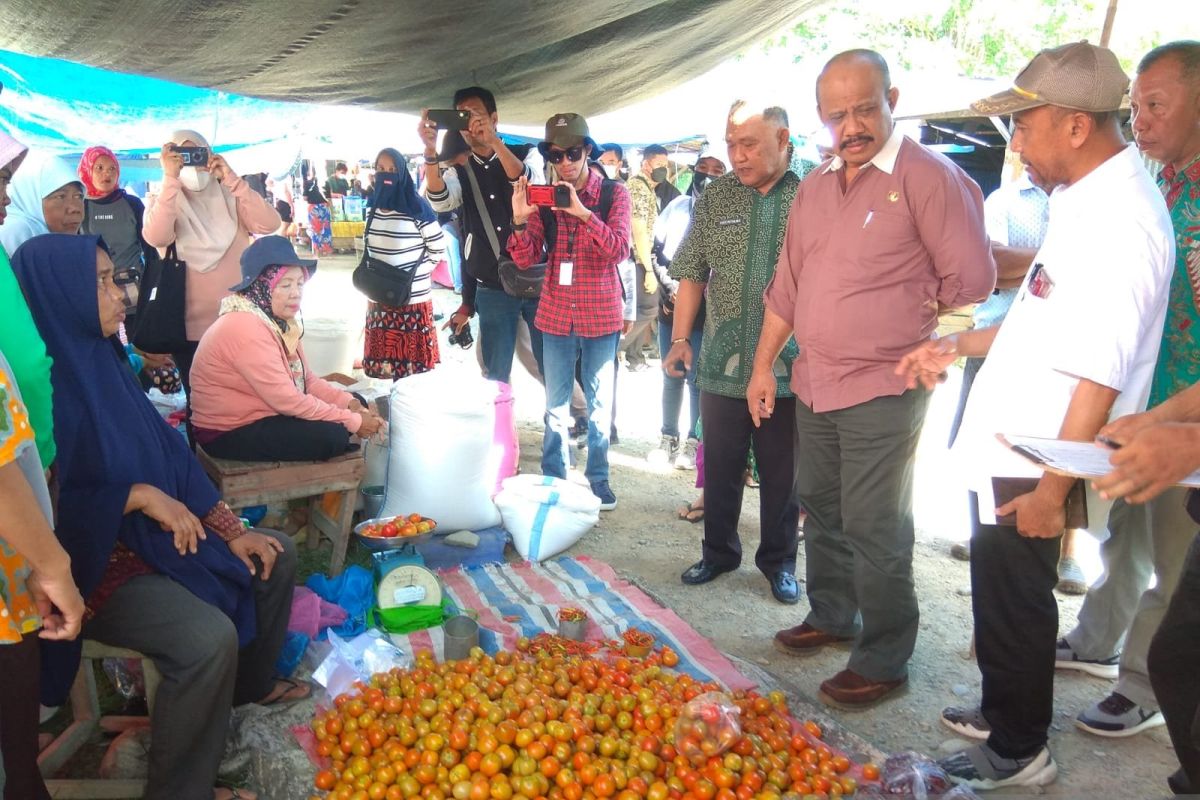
point(285, 693)
point(691, 513)
point(234, 793)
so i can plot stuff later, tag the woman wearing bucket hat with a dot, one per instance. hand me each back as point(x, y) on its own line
point(253, 396)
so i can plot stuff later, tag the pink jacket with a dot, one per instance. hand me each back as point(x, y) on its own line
point(206, 289)
point(241, 375)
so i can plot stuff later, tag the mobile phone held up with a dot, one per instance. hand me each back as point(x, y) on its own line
point(192, 156)
point(557, 195)
point(449, 119)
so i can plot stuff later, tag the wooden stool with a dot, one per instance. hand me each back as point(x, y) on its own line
point(253, 483)
point(85, 708)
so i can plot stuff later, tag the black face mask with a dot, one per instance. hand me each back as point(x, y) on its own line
point(699, 181)
point(658, 174)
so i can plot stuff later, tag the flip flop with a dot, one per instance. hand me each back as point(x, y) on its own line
point(688, 512)
point(282, 698)
point(235, 793)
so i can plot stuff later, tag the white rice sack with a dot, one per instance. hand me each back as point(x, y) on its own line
point(546, 515)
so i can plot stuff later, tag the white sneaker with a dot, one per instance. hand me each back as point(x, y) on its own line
point(1116, 716)
point(665, 453)
point(1066, 658)
point(687, 456)
point(979, 767)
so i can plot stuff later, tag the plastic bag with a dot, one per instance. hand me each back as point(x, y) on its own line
point(357, 660)
point(354, 591)
point(126, 676)
point(546, 515)
point(919, 777)
point(311, 613)
point(707, 726)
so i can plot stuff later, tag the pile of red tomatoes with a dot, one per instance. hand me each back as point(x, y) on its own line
point(564, 727)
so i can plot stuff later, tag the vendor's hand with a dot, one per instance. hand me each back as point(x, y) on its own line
point(522, 208)
point(927, 363)
point(457, 321)
point(1037, 516)
point(172, 516)
point(427, 131)
point(57, 590)
point(576, 208)
point(155, 360)
point(1152, 460)
point(172, 162)
point(370, 425)
point(218, 168)
point(251, 543)
point(680, 353)
point(760, 395)
point(355, 405)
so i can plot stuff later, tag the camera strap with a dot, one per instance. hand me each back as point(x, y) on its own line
point(484, 214)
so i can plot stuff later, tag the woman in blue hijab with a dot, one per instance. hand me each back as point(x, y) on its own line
point(164, 566)
point(403, 232)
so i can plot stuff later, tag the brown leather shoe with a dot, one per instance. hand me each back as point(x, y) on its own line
point(851, 692)
point(804, 640)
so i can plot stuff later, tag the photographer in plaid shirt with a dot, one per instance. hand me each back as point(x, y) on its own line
point(581, 312)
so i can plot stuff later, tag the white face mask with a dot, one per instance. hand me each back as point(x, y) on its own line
point(611, 170)
point(193, 179)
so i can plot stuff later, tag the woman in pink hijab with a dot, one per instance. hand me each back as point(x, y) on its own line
point(209, 213)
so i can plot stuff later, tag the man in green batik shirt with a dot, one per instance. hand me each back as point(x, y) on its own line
point(1121, 614)
point(731, 249)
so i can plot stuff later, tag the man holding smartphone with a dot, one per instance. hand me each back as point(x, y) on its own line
point(583, 301)
point(495, 167)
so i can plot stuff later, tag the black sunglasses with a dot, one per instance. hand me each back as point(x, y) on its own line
point(573, 154)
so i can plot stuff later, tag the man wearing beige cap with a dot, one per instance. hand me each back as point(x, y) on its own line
point(1077, 349)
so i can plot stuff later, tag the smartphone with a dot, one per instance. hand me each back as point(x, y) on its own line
point(192, 156)
point(450, 119)
point(557, 196)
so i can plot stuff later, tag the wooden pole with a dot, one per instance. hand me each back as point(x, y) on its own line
point(1106, 33)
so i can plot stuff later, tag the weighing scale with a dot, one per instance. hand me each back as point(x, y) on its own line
point(401, 579)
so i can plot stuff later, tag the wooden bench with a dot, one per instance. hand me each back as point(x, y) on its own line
point(85, 708)
point(254, 483)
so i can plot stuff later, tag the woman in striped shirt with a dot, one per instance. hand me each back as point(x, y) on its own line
point(402, 230)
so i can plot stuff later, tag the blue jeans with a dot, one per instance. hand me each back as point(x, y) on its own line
point(672, 394)
point(498, 317)
point(595, 356)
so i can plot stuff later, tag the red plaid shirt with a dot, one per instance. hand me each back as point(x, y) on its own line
point(593, 305)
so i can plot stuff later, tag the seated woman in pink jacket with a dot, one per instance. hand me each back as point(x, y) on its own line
point(253, 395)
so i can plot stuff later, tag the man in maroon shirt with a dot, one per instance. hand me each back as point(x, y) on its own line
point(582, 309)
point(878, 238)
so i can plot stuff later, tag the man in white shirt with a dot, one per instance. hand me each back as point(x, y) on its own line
point(1077, 348)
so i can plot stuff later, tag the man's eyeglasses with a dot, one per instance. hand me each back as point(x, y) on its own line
point(573, 154)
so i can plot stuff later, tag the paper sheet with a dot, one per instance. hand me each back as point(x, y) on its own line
point(1077, 459)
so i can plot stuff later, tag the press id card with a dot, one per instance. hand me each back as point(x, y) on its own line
point(565, 270)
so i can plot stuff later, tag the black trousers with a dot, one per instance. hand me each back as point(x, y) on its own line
point(728, 436)
point(19, 664)
point(282, 438)
point(1174, 661)
point(1016, 627)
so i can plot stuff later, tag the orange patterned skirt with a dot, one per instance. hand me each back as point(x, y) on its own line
point(400, 341)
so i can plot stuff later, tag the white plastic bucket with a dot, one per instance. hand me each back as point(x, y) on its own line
point(331, 345)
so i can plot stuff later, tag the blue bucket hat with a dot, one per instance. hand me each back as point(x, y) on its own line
point(270, 251)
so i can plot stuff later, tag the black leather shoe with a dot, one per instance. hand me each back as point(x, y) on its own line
point(784, 587)
point(703, 572)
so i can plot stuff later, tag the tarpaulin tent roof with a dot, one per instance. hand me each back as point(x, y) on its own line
point(588, 56)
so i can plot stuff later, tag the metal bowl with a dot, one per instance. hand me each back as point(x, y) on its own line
point(377, 544)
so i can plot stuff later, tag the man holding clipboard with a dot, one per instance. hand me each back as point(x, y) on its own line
point(1077, 349)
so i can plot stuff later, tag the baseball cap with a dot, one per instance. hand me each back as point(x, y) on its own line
point(1079, 76)
point(567, 131)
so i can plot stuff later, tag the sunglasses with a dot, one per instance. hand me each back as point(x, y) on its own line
point(573, 154)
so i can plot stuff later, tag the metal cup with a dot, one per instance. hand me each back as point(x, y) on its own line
point(461, 633)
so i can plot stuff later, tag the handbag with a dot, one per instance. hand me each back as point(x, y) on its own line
point(380, 281)
point(516, 282)
point(162, 307)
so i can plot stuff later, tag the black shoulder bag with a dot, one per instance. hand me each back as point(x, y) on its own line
point(162, 306)
point(517, 282)
point(380, 281)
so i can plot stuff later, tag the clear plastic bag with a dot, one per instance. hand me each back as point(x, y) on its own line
point(912, 775)
point(126, 677)
point(707, 726)
point(357, 660)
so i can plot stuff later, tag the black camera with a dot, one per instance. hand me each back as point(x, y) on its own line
point(463, 338)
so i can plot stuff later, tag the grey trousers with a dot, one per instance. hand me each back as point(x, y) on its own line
point(195, 647)
point(854, 475)
point(1120, 614)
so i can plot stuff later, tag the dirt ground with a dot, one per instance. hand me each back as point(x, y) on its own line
point(644, 541)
